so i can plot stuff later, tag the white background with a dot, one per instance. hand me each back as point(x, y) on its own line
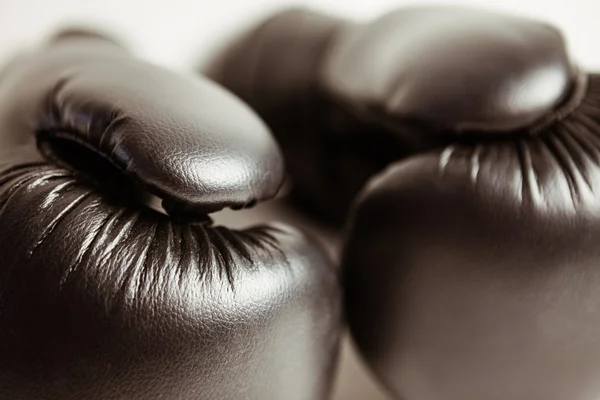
point(178, 33)
point(173, 32)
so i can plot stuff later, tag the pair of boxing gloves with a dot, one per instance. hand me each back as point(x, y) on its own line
point(460, 147)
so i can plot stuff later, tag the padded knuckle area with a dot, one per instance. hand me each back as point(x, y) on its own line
point(458, 69)
point(185, 140)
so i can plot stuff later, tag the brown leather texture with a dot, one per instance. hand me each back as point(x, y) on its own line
point(102, 297)
point(470, 266)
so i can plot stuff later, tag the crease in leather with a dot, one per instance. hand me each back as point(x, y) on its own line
point(220, 250)
point(568, 145)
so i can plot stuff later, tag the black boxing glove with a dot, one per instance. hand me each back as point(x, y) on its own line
point(102, 297)
point(471, 261)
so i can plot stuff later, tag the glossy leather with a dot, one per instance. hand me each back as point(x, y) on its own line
point(102, 297)
point(471, 271)
point(455, 68)
point(274, 68)
point(470, 268)
point(345, 99)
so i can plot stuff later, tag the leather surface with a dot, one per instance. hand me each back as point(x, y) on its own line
point(274, 68)
point(471, 271)
point(102, 297)
point(456, 68)
point(207, 162)
point(470, 266)
point(404, 83)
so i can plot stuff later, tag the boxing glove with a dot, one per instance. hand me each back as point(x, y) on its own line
point(275, 68)
point(471, 261)
point(103, 296)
